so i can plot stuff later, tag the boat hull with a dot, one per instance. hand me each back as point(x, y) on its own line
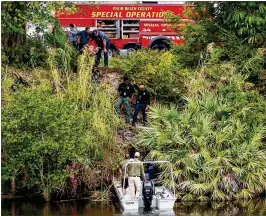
point(128, 204)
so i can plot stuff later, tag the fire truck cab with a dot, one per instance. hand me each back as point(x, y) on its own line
point(129, 27)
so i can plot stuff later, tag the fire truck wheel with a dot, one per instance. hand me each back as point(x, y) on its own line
point(160, 46)
point(130, 48)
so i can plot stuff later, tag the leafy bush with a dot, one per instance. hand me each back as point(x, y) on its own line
point(245, 58)
point(245, 19)
point(232, 28)
point(215, 142)
point(31, 54)
point(157, 70)
point(185, 57)
point(34, 52)
point(44, 133)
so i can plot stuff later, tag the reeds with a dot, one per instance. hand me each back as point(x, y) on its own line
point(56, 93)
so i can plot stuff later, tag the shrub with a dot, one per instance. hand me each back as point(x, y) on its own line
point(215, 142)
point(155, 69)
point(44, 133)
point(185, 57)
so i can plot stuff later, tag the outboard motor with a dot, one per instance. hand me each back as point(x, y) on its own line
point(147, 193)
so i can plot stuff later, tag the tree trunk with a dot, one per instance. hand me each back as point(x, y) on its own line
point(13, 185)
point(46, 196)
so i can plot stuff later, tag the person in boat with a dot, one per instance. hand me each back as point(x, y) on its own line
point(152, 171)
point(122, 170)
point(135, 173)
point(132, 151)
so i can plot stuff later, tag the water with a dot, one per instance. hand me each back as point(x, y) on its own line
point(20, 207)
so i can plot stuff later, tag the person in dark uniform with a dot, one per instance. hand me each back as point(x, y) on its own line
point(142, 103)
point(131, 151)
point(126, 92)
point(103, 42)
point(83, 38)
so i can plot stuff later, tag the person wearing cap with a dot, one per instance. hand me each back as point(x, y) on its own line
point(135, 171)
point(122, 170)
point(83, 38)
point(125, 93)
point(142, 103)
point(103, 42)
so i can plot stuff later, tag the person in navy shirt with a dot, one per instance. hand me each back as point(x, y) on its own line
point(83, 38)
point(103, 42)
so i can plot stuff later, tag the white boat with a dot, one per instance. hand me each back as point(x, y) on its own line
point(162, 198)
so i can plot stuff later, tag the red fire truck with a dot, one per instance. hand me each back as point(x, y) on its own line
point(128, 26)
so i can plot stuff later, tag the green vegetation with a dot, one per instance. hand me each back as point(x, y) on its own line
point(20, 50)
point(215, 140)
point(245, 19)
point(59, 129)
point(156, 70)
point(215, 137)
point(44, 131)
point(58, 126)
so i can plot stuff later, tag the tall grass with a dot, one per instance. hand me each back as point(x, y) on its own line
point(77, 124)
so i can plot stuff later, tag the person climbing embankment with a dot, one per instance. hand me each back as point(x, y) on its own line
point(126, 93)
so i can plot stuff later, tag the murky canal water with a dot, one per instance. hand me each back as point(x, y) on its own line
point(21, 207)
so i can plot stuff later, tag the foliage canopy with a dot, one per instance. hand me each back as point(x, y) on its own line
point(246, 19)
